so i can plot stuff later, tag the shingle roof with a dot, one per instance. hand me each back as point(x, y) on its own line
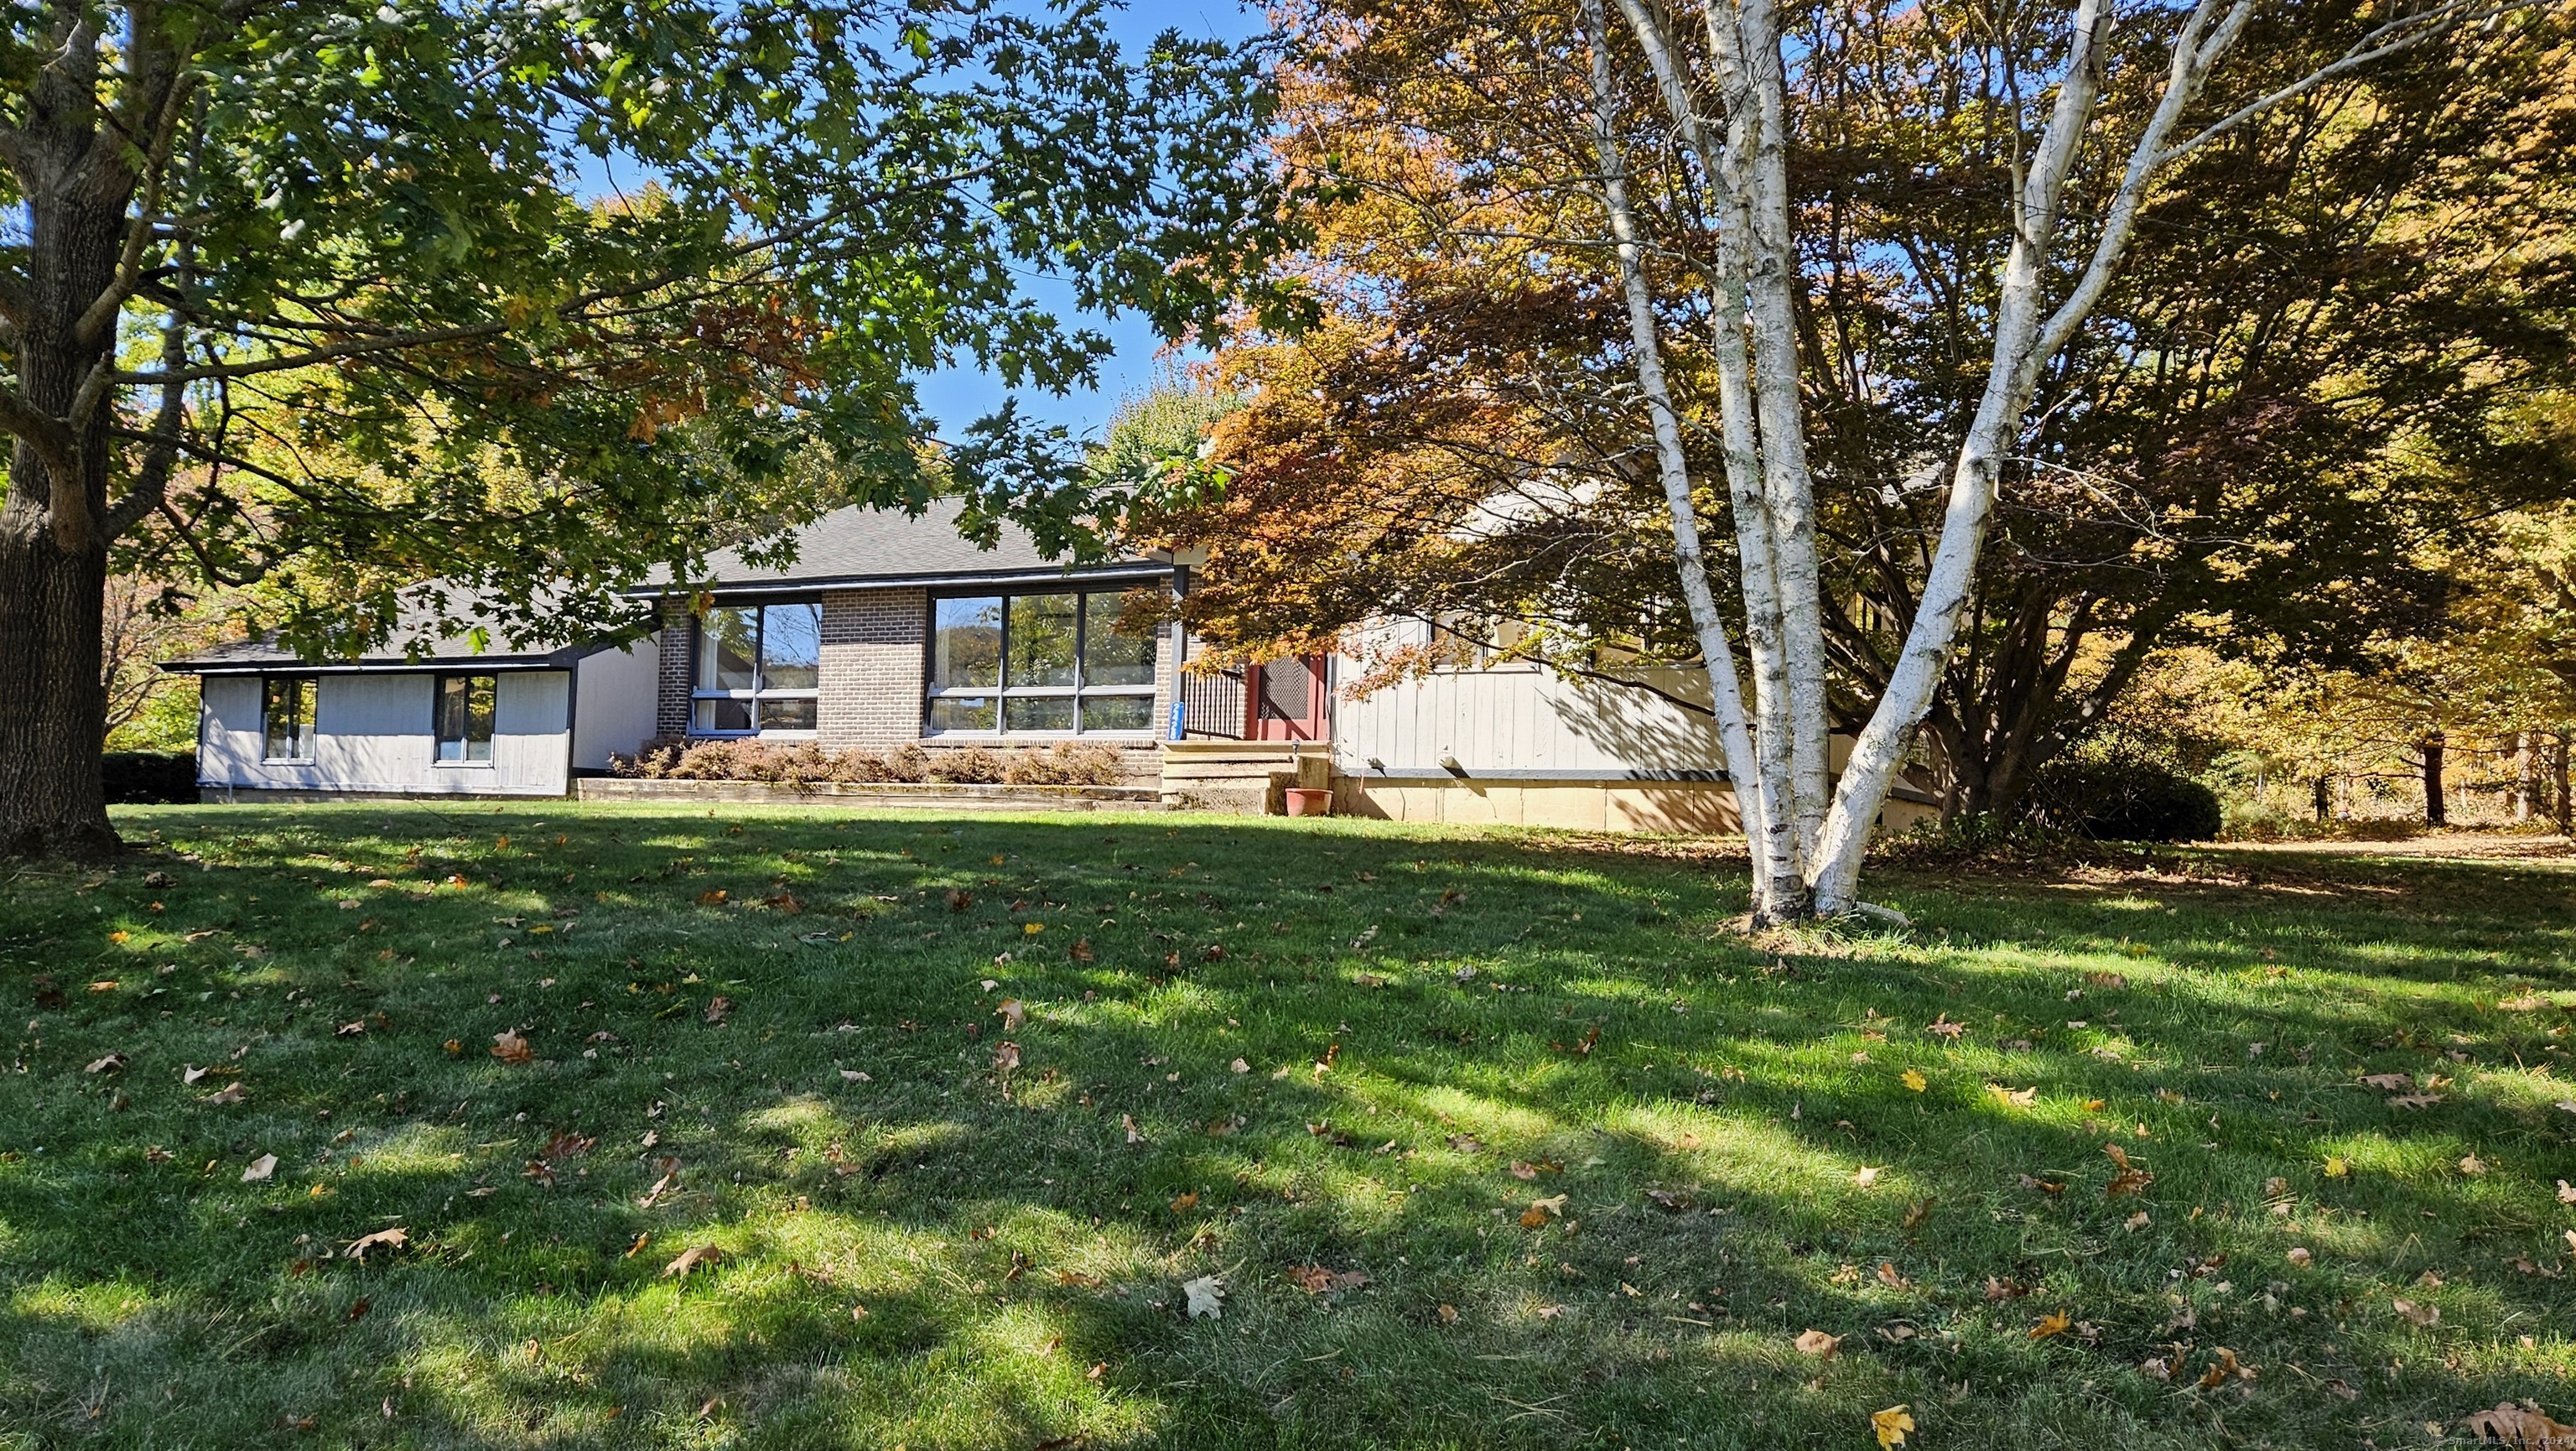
point(857, 545)
point(414, 631)
point(847, 546)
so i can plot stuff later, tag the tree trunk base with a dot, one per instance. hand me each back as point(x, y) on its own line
point(76, 841)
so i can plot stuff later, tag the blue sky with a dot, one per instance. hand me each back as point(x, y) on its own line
point(958, 396)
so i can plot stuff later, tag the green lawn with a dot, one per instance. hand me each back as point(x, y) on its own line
point(1354, 1058)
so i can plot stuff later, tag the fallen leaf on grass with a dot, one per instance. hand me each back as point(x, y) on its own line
point(1818, 1344)
point(2223, 1369)
point(1185, 1201)
point(1891, 1425)
point(690, 1259)
point(2389, 1082)
point(2566, 1192)
point(2301, 1257)
point(2415, 1100)
point(854, 1075)
point(509, 1047)
point(1204, 1295)
point(1915, 1080)
point(714, 897)
point(1888, 1276)
point(232, 1092)
point(2014, 1097)
point(1540, 1210)
point(2523, 1426)
point(2053, 1323)
point(670, 1179)
point(260, 1169)
point(2130, 1180)
point(1942, 1027)
point(1866, 1175)
point(1013, 1013)
point(2472, 1164)
point(394, 1238)
point(2338, 1168)
point(717, 1007)
point(2421, 1316)
point(1316, 1280)
point(1006, 1057)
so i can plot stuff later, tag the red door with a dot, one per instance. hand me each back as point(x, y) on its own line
point(1290, 700)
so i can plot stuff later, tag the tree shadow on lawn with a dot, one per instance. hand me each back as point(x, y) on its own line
point(1496, 1022)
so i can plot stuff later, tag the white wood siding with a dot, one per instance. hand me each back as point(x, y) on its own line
point(1522, 719)
point(613, 697)
point(372, 733)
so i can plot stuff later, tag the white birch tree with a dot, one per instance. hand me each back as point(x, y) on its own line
point(1726, 97)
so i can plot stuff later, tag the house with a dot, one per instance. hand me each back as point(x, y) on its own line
point(885, 629)
point(888, 629)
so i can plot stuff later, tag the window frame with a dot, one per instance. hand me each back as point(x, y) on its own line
point(307, 688)
point(760, 691)
point(437, 723)
point(1004, 692)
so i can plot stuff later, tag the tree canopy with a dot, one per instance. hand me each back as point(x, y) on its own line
point(536, 298)
point(2309, 382)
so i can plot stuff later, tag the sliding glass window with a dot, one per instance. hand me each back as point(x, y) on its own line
point(464, 718)
point(758, 666)
point(286, 711)
point(1040, 664)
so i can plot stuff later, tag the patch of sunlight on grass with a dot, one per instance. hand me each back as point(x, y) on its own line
point(1744, 1154)
point(800, 1115)
point(1489, 1118)
point(95, 1309)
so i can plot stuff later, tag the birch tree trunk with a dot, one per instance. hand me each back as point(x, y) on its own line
point(1807, 841)
point(1757, 808)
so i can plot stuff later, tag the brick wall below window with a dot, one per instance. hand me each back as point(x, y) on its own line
point(871, 686)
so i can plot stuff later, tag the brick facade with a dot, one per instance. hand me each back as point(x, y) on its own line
point(671, 684)
point(873, 652)
point(874, 657)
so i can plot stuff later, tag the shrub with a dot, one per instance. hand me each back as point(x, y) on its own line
point(2119, 793)
point(149, 778)
point(970, 766)
point(1067, 763)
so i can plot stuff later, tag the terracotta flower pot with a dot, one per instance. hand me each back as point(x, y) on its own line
point(1309, 801)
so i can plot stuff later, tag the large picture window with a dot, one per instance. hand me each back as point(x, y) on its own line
point(464, 718)
point(286, 711)
point(1040, 664)
point(757, 670)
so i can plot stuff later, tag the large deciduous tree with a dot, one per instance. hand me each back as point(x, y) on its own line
point(2005, 347)
point(535, 297)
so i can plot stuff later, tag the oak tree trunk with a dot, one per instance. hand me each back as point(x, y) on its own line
point(2436, 813)
point(2566, 809)
point(51, 700)
point(54, 525)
